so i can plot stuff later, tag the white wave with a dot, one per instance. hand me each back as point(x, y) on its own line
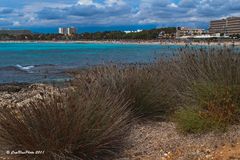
point(26, 68)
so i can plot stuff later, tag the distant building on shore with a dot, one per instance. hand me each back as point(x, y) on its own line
point(67, 31)
point(229, 26)
point(188, 32)
point(15, 32)
point(137, 31)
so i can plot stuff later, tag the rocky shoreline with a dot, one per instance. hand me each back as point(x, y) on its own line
point(22, 93)
point(13, 87)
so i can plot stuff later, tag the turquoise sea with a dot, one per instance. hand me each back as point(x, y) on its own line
point(40, 62)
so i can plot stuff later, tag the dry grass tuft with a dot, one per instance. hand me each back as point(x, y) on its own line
point(147, 86)
point(209, 80)
point(80, 125)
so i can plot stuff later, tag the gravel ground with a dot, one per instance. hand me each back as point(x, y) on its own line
point(162, 141)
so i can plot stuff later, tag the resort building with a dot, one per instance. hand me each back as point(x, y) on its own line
point(67, 31)
point(62, 30)
point(166, 35)
point(137, 31)
point(188, 32)
point(15, 32)
point(218, 26)
point(227, 27)
point(233, 25)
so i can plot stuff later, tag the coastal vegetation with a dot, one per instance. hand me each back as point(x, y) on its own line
point(209, 81)
point(146, 85)
point(84, 124)
point(197, 89)
point(108, 35)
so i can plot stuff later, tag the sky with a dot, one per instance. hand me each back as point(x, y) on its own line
point(101, 15)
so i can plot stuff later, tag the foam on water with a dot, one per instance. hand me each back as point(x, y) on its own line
point(25, 68)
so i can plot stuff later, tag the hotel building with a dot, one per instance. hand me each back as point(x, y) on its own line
point(229, 26)
point(233, 25)
point(183, 31)
point(62, 31)
point(218, 26)
point(67, 31)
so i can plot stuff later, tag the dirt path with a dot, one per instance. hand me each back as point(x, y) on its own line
point(228, 152)
point(162, 141)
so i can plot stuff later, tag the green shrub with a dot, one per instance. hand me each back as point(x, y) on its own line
point(210, 80)
point(216, 107)
point(189, 120)
point(219, 102)
point(84, 124)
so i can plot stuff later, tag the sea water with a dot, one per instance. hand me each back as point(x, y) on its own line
point(40, 62)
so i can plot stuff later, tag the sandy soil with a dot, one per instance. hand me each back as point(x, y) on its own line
point(162, 141)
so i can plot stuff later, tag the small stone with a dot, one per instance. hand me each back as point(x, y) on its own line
point(233, 145)
point(208, 156)
point(165, 154)
point(208, 151)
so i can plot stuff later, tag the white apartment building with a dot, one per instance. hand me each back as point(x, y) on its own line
point(67, 31)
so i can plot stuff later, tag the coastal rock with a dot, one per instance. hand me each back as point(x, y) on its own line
point(27, 94)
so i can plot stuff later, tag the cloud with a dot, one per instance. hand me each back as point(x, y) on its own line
point(4, 22)
point(115, 2)
point(188, 12)
point(6, 10)
point(50, 13)
point(118, 12)
point(89, 12)
point(188, 3)
point(172, 5)
point(16, 23)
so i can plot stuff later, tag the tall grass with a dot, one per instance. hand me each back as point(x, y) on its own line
point(209, 81)
point(160, 88)
point(147, 86)
point(216, 65)
point(80, 125)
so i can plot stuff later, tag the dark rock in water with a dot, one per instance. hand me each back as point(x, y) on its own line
point(12, 69)
point(13, 87)
point(32, 74)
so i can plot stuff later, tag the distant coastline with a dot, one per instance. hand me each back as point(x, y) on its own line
point(141, 42)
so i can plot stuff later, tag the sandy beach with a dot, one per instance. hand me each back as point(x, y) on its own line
point(149, 42)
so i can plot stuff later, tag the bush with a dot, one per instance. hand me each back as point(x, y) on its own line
point(216, 107)
point(209, 79)
point(210, 65)
point(147, 86)
point(85, 124)
point(189, 120)
point(221, 103)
